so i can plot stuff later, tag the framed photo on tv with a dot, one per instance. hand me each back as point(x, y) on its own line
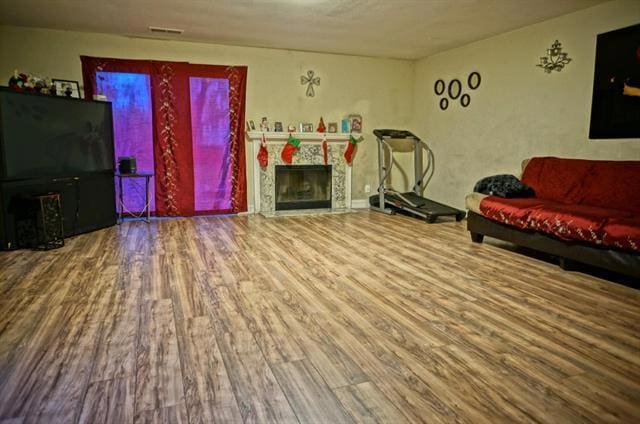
point(66, 88)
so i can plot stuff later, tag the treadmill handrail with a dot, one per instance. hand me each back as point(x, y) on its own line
point(387, 171)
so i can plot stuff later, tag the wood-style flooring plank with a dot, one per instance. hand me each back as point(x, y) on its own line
point(366, 404)
point(52, 373)
point(308, 394)
point(158, 380)
point(174, 414)
point(358, 317)
point(109, 401)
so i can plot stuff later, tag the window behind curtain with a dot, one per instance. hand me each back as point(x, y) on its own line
point(210, 132)
point(130, 96)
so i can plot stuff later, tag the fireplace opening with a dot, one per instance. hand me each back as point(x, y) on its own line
point(303, 187)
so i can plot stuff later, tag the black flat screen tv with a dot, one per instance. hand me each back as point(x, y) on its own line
point(48, 136)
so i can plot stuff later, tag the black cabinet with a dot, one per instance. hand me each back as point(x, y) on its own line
point(87, 201)
point(96, 202)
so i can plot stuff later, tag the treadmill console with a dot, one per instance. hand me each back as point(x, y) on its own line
point(386, 133)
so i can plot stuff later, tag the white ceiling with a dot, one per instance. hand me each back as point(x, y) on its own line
point(407, 29)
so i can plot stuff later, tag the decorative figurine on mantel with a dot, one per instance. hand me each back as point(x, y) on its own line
point(321, 127)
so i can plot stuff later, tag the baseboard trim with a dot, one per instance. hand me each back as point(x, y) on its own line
point(355, 204)
point(250, 211)
point(360, 203)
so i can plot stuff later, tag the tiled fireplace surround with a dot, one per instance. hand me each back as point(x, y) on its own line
point(310, 153)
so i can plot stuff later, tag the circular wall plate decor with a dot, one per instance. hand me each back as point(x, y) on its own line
point(474, 80)
point(455, 89)
point(444, 103)
point(465, 100)
point(439, 87)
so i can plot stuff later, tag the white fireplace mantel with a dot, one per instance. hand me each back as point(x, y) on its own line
point(276, 140)
point(281, 137)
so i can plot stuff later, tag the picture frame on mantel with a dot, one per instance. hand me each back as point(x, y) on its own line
point(355, 123)
point(615, 107)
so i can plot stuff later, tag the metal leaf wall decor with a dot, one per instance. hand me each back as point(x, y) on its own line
point(555, 60)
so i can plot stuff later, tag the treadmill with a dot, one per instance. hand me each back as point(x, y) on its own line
point(411, 203)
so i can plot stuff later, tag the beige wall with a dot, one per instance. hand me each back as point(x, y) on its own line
point(519, 110)
point(379, 89)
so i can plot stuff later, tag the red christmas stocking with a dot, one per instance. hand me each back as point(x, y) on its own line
point(325, 150)
point(292, 146)
point(351, 149)
point(263, 153)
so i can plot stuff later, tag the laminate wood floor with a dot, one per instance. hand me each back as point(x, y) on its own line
point(317, 319)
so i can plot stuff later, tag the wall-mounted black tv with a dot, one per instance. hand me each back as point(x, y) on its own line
point(43, 136)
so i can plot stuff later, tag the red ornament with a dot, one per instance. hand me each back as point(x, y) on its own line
point(321, 127)
point(263, 153)
point(292, 146)
point(351, 149)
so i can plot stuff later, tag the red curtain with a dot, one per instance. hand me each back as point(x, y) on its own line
point(237, 78)
point(173, 151)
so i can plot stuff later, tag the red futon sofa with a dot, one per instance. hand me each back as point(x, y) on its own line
point(584, 211)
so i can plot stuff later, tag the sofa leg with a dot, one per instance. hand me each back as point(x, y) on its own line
point(477, 237)
point(567, 264)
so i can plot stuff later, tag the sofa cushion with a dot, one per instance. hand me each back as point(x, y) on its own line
point(602, 183)
point(615, 185)
point(572, 222)
point(623, 233)
point(509, 211)
point(567, 222)
point(560, 180)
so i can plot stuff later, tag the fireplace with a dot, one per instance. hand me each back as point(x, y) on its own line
point(309, 153)
point(302, 187)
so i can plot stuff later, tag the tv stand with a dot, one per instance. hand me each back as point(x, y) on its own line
point(88, 203)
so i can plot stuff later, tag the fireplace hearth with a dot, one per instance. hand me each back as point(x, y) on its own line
point(300, 187)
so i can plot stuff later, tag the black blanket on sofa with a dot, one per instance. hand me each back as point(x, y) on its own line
point(503, 185)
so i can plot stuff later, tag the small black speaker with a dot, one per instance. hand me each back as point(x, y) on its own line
point(127, 165)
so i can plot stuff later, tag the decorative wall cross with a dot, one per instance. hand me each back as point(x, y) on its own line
point(311, 81)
